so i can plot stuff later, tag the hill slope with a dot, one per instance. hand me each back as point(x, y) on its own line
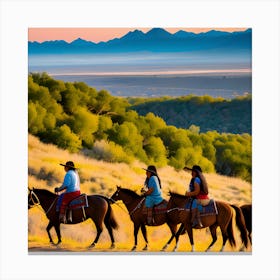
point(229, 116)
point(98, 177)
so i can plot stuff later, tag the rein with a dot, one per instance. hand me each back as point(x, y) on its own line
point(137, 206)
point(38, 203)
point(127, 212)
point(118, 204)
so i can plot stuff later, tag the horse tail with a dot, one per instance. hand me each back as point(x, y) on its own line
point(230, 233)
point(109, 217)
point(240, 222)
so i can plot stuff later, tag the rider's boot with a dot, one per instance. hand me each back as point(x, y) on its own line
point(196, 221)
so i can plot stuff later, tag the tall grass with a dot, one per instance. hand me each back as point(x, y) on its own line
point(98, 177)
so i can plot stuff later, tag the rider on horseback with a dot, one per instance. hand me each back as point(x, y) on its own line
point(198, 190)
point(71, 184)
point(153, 194)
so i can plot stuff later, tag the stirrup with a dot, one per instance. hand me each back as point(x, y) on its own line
point(197, 225)
point(62, 218)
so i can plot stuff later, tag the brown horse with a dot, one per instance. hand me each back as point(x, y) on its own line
point(134, 204)
point(223, 219)
point(99, 210)
point(247, 213)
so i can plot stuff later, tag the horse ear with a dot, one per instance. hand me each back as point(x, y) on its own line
point(29, 189)
point(118, 187)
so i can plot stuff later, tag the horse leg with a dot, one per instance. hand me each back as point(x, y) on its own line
point(173, 231)
point(57, 229)
point(144, 233)
point(190, 234)
point(110, 230)
point(99, 231)
point(136, 229)
point(213, 230)
point(50, 225)
point(177, 235)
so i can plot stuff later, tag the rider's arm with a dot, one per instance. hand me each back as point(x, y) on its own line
point(66, 182)
point(149, 191)
point(195, 191)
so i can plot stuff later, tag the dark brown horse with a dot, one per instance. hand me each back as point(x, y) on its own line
point(99, 210)
point(247, 213)
point(134, 204)
point(223, 219)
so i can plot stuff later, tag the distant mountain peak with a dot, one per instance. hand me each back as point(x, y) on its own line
point(183, 34)
point(81, 42)
point(135, 34)
point(155, 40)
point(158, 33)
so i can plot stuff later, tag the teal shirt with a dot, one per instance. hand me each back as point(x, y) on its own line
point(155, 197)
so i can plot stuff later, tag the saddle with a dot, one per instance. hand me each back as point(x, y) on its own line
point(79, 202)
point(158, 209)
point(209, 209)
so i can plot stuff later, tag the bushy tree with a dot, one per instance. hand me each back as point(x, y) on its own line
point(156, 151)
point(66, 139)
point(85, 125)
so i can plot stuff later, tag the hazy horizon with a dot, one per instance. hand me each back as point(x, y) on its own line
point(105, 34)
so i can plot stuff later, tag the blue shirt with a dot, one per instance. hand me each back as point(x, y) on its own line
point(71, 181)
point(196, 180)
point(155, 197)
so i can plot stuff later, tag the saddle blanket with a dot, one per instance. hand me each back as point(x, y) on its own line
point(160, 208)
point(78, 202)
point(209, 209)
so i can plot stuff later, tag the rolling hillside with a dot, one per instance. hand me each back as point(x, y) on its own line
point(98, 177)
point(222, 115)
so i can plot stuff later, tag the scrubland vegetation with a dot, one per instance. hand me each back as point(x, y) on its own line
point(78, 118)
point(100, 177)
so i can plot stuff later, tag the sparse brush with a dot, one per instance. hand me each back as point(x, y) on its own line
point(101, 177)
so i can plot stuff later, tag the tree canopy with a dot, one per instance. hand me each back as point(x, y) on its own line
point(79, 118)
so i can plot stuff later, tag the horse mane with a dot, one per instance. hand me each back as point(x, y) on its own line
point(45, 192)
point(177, 195)
point(131, 193)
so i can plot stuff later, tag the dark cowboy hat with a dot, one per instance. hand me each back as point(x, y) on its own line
point(194, 168)
point(69, 164)
point(152, 169)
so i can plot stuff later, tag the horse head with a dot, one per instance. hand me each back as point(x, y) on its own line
point(126, 195)
point(116, 195)
point(177, 199)
point(33, 199)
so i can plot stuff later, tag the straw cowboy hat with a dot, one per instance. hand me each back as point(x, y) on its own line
point(69, 164)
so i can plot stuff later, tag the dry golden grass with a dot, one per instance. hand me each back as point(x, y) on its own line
point(99, 177)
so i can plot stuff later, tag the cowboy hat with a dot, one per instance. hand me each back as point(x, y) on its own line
point(194, 168)
point(69, 164)
point(152, 169)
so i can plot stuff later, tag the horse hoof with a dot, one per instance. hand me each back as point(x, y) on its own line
point(112, 246)
point(145, 248)
point(58, 243)
point(91, 245)
point(133, 248)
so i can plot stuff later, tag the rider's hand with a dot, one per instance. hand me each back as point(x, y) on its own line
point(56, 189)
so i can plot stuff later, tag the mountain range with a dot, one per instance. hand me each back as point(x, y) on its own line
point(155, 40)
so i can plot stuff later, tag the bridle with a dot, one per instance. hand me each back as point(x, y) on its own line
point(37, 202)
point(31, 199)
point(131, 212)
